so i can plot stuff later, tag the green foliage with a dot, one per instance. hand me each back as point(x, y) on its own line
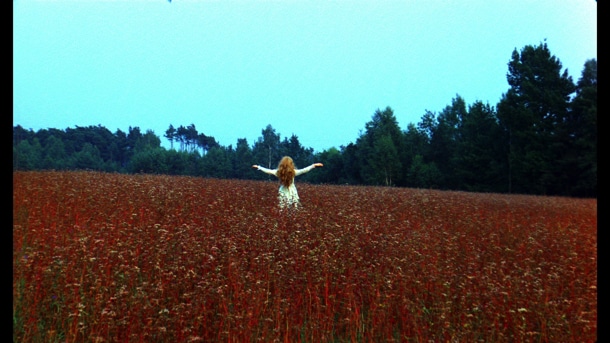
point(444, 139)
point(581, 129)
point(217, 163)
point(292, 147)
point(266, 150)
point(379, 148)
point(478, 160)
point(150, 161)
point(88, 157)
point(27, 156)
point(332, 173)
point(243, 160)
point(423, 175)
point(385, 157)
point(147, 141)
point(540, 139)
point(54, 154)
point(351, 165)
point(171, 135)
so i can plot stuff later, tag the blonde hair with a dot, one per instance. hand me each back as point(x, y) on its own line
point(285, 171)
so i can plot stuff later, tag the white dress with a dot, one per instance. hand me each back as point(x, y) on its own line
point(288, 196)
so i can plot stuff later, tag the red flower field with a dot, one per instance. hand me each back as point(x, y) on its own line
point(140, 258)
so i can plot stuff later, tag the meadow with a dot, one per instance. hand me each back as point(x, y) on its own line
point(100, 257)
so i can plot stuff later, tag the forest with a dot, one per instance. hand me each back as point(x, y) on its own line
point(540, 139)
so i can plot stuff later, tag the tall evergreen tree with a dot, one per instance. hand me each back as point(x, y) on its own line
point(243, 160)
point(478, 152)
point(206, 142)
point(530, 112)
point(170, 134)
point(416, 144)
point(350, 174)
point(191, 137)
point(426, 128)
point(580, 130)
point(123, 148)
point(182, 137)
point(134, 135)
point(445, 136)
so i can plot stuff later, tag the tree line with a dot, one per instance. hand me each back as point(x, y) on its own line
point(541, 138)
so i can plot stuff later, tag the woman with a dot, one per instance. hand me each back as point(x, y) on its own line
point(286, 172)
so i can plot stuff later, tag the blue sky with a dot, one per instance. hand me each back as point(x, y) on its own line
point(316, 69)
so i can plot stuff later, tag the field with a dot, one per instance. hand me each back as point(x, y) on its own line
point(140, 258)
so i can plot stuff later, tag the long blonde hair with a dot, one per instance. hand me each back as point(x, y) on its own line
point(285, 171)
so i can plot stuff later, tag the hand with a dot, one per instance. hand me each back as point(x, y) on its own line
point(255, 166)
point(318, 164)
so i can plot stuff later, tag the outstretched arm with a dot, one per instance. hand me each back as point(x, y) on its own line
point(306, 169)
point(265, 170)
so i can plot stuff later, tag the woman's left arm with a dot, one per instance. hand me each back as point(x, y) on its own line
point(306, 169)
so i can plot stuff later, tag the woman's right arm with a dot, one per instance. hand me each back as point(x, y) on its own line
point(265, 170)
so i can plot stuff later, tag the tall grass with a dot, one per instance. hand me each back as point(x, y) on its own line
point(139, 258)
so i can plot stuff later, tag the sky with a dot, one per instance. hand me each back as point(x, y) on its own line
point(314, 69)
